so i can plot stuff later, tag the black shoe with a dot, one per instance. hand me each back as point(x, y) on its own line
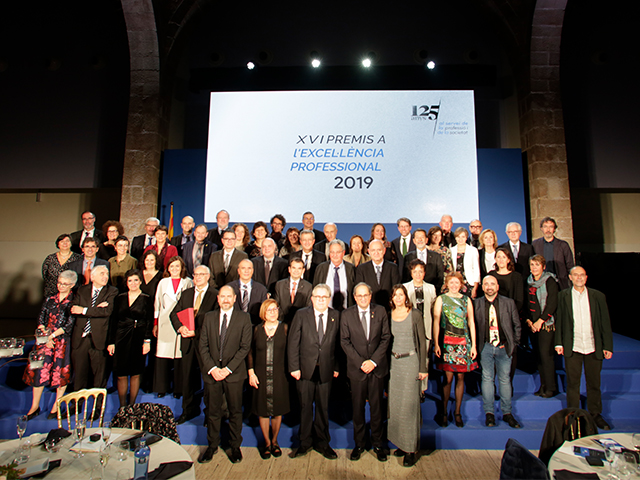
point(52, 415)
point(185, 418)
point(300, 452)
point(601, 422)
point(380, 453)
point(458, 419)
point(548, 394)
point(235, 455)
point(410, 460)
point(276, 451)
point(265, 453)
point(443, 421)
point(356, 453)
point(511, 421)
point(490, 420)
point(539, 392)
point(31, 416)
point(327, 452)
point(161, 395)
point(399, 453)
point(207, 455)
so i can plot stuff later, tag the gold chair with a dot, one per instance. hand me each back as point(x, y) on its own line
point(80, 398)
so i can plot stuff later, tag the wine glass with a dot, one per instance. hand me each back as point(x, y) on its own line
point(106, 432)
point(105, 451)
point(610, 455)
point(21, 427)
point(123, 451)
point(78, 434)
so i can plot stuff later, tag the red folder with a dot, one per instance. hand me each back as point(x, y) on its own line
point(187, 318)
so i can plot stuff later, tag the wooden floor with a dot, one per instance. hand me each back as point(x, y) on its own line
point(437, 465)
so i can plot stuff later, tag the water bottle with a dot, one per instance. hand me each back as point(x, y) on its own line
point(141, 456)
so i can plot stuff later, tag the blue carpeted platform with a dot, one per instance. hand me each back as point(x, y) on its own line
point(620, 387)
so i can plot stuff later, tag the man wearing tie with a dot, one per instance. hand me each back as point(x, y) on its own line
point(338, 275)
point(381, 276)
point(225, 341)
point(311, 346)
point(215, 234)
point(224, 263)
point(292, 293)
point(434, 268)
point(402, 245)
point(365, 337)
point(203, 299)
point(88, 231)
point(268, 268)
point(521, 251)
point(140, 242)
point(311, 257)
point(199, 251)
point(249, 294)
point(92, 307)
point(84, 266)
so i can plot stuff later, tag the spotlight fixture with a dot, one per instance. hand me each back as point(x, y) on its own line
point(315, 63)
point(366, 63)
point(251, 65)
point(431, 65)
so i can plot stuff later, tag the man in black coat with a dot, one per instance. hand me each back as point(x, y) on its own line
point(295, 286)
point(88, 231)
point(434, 268)
point(556, 252)
point(521, 251)
point(225, 341)
point(197, 252)
point(311, 257)
point(365, 337)
point(381, 276)
point(249, 294)
point(179, 241)
point(338, 275)
point(277, 266)
point(201, 298)
point(311, 350)
point(84, 266)
point(140, 242)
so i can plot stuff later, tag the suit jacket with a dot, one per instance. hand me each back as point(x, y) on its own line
point(448, 240)
point(214, 237)
point(562, 259)
point(208, 303)
point(483, 267)
point(237, 343)
point(177, 242)
point(321, 277)
point(358, 348)
point(396, 246)
point(508, 323)
point(187, 254)
point(430, 295)
point(77, 267)
point(282, 295)
point(138, 246)
point(75, 238)
point(279, 270)
point(600, 322)
point(99, 316)
point(258, 295)
point(319, 235)
point(304, 351)
point(434, 272)
point(316, 259)
point(381, 293)
point(219, 278)
point(525, 252)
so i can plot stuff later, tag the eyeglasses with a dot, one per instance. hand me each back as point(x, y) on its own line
point(363, 296)
point(200, 274)
point(272, 310)
point(60, 284)
point(322, 297)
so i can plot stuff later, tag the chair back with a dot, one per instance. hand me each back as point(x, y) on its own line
point(518, 463)
point(80, 399)
point(565, 425)
point(149, 417)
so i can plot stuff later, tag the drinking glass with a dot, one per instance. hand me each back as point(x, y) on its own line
point(123, 451)
point(610, 456)
point(78, 434)
point(21, 427)
point(628, 465)
point(105, 452)
point(106, 432)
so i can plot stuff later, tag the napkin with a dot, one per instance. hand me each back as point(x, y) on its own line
point(169, 469)
point(569, 475)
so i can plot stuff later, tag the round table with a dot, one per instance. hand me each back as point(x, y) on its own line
point(562, 460)
point(80, 468)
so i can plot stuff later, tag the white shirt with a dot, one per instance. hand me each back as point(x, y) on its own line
point(342, 275)
point(489, 261)
point(201, 290)
point(583, 341)
point(325, 318)
point(422, 255)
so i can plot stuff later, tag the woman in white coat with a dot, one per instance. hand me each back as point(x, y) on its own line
point(168, 352)
point(422, 295)
point(466, 260)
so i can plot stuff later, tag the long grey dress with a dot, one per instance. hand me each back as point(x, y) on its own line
point(404, 389)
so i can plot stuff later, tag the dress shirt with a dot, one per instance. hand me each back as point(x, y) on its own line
point(342, 274)
point(404, 239)
point(291, 282)
point(422, 255)
point(583, 341)
point(202, 291)
point(325, 318)
point(515, 249)
point(86, 234)
point(86, 263)
point(146, 240)
point(94, 293)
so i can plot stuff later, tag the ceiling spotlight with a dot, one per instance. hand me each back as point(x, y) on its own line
point(366, 63)
point(315, 63)
point(251, 65)
point(431, 65)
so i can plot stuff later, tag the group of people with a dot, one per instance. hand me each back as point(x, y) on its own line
point(301, 308)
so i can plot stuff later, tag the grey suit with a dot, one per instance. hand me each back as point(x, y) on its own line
point(282, 295)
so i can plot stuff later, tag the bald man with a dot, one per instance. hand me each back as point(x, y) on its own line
point(186, 236)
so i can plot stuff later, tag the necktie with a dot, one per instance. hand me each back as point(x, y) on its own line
point(197, 261)
point(87, 326)
point(196, 305)
point(245, 299)
point(306, 261)
point(87, 274)
point(226, 262)
point(378, 273)
point(515, 252)
point(404, 247)
point(337, 295)
point(363, 320)
point(494, 336)
point(267, 271)
point(320, 328)
point(422, 255)
point(293, 291)
point(148, 241)
point(223, 333)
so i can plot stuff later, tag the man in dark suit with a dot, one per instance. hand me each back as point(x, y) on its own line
point(215, 234)
point(583, 336)
point(276, 266)
point(434, 268)
point(249, 294)
point(202, 299)
point(199, 251)
point(446, 224)
point(308, 220)
point(92, 306)
point(556, 252)
point(475, 229)
point(497, 336)
point(311, 257)
point(140, 242)
point(88, 231)
point(521, 251)
point(338, 275)
point(311, 352)
point(186, 236)
point(84, 266)
point(330, 234)
point(365, 337)
point(224, 263)
point(402, 245)
point(381, 276)
point(225, 341)
point(293, 287)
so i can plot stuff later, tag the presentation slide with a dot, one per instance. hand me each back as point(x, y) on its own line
point(350, 156)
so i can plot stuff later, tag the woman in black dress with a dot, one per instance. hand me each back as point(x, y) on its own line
point(268, 375)
point(130, 328)
point(151, 272)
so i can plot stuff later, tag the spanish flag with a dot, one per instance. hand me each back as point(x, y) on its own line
point(171, 223)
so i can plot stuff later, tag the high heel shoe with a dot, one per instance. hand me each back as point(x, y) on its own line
point(444, 421)
point(52, 415)
point(458, 419)
point(33, 415)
